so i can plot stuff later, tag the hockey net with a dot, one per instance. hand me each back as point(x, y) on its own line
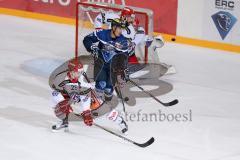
point(86, 13)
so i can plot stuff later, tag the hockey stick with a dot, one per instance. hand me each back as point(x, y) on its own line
point(164, 104)
point(92, 91)
point(143, 145)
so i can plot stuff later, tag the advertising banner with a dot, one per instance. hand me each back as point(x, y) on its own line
point(221, 21)
point(165, 12)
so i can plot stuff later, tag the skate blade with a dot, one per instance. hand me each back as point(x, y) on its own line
point(60, 130)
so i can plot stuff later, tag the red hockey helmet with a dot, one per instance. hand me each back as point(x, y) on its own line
point(74, 70)
point(127, 12)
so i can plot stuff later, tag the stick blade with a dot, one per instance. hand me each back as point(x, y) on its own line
point(174, 102)
point(146, 144)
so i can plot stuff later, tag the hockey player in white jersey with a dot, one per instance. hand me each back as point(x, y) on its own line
point(134, 32)
point(75, 96)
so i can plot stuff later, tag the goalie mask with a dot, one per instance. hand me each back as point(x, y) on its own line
point(127, 12)
point(75, 69)
point(128, 15)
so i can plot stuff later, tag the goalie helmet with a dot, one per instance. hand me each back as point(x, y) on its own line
point(74, 70)
point(127, 12)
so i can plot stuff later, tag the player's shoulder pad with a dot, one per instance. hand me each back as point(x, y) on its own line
point(102, 34)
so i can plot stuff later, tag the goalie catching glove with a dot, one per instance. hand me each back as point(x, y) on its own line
point(155, 42)
point(158, 42)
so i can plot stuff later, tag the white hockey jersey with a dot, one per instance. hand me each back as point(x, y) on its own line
point(79, 93)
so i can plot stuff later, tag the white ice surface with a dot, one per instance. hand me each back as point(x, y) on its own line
point(207, 82)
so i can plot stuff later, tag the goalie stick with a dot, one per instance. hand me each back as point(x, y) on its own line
point(148, 93)
point(143, 145)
